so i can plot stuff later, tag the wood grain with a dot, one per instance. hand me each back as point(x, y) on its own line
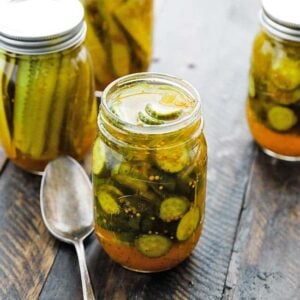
point(26, 249)
point(265, 263)
point(251, 235)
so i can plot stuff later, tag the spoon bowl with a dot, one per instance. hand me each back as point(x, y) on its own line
point(67, 208)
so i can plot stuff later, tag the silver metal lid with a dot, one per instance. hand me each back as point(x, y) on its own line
point(281, 18)
point(41, 26)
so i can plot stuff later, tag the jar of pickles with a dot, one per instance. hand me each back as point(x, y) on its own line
point(119, 37)
point(273, 106)
point(149, 171)
point(47, 103)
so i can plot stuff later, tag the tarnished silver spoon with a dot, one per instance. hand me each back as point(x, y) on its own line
point(67, 209)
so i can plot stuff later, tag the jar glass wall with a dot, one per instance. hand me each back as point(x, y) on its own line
point(149, 180)
point(119, 37)
point(273, 105)
point(47, 106)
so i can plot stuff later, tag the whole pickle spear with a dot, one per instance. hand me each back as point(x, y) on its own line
point(34, 94)
point(117, 42)
point(98, 53)
point(5, 132)
point(131, 16)
point(42, 98)
point(63, 92)
point(26, 70)
point(79, 109)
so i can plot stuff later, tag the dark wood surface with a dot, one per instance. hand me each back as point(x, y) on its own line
point(250, 248)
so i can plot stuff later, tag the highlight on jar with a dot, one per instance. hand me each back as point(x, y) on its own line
point(273, 106)
point(47, 102)
point(119, 37)
point(149, 171)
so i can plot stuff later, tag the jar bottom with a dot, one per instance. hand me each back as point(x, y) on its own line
point(147, 271)
point(278, 145)
point(131, 259)
point(280, 156)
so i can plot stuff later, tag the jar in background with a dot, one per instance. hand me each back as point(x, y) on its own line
point(149, 171)
point(273, 106)
point(119, 37)
point(47, 103)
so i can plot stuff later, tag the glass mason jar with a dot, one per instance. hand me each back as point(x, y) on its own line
point(273, 106)
point(47, 103)
point(119, 37)
point(149, 171)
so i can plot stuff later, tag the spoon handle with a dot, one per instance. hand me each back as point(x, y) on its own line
point(85, 279)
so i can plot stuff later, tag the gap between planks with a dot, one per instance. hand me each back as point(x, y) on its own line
point(232, 267)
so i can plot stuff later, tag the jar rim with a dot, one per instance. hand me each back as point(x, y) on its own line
point(152, 77)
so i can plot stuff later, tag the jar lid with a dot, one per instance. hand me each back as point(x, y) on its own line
point(281, 18)
point(39, 27)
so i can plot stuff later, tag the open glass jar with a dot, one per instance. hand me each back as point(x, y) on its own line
point(273, 106)
point(47, 103)
point(149, 171)
point(119, 37)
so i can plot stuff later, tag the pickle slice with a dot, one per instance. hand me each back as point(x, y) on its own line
point(131, 176)
point(142, 117)
point(153, 246)
point(282, 118)
point(188, 224)
point(172, 160)
point(108, 203)
point(99, 157)
point(285, 73)
point(281, 96)
point(162, 115)
point(173, 208)
point(112, 190)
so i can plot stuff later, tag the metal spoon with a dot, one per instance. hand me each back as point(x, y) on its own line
point(67, 209)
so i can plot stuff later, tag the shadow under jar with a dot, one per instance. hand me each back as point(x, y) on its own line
point(149, 171)
point(119, 37)
point(47, 102)
point(273, 106)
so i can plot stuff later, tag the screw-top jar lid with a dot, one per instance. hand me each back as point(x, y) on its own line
point(40, 26)
point(281, 18)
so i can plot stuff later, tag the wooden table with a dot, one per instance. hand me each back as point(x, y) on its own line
point(250, 248)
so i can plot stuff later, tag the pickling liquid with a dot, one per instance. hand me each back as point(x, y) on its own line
point(47, 107)
point(119, 37)
point(150, 195)
point(273, 105)
point(146, 105)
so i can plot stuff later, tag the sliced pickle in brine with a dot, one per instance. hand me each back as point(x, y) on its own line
point(172, 160)
point(162, 115)
point(188, 224)
point(285, 72)
point(153, 246)
point(148, 120)
point(282, 118)
point(99, 157)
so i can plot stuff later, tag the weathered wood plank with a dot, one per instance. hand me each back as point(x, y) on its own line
point(207, 43)
point(266, 258)
point(27, 251)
